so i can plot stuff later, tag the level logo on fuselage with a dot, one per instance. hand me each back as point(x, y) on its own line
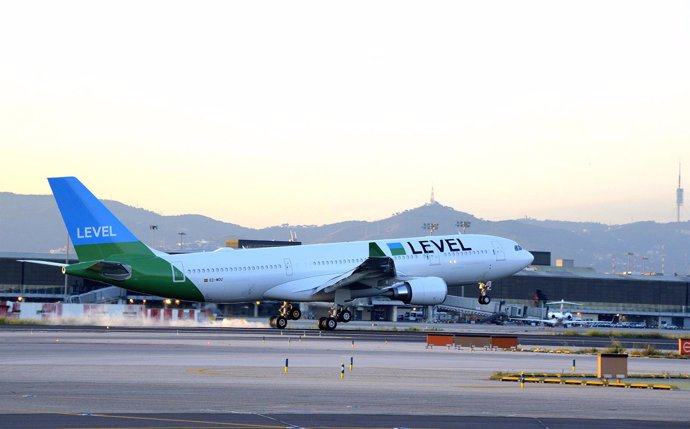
point(428, 246)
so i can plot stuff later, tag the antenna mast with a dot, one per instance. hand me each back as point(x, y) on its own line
point(679, 197)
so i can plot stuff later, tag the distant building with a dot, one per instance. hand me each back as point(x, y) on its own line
point(565, 263)
point(653, 299)
point(255, 244)
point(38, 282)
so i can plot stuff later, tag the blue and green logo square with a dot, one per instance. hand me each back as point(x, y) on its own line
point(397, 249)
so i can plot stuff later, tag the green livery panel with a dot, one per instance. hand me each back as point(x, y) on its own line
point(106, 251)
point(150, 275)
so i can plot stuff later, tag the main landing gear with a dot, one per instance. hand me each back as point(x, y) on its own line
point(292, 312)
point(484, 288)
point(336, 314)
point(287, 312)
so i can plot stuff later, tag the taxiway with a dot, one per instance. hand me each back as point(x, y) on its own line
point(82, 373)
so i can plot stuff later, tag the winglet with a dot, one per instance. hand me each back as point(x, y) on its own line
point(375, 250)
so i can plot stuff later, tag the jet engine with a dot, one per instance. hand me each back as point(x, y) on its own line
point(420, 291)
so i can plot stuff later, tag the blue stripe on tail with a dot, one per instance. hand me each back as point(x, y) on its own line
point(87, 220)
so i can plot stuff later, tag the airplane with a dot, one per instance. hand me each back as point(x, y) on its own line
point(413, 270)
point(556, 318)
point(560, 316)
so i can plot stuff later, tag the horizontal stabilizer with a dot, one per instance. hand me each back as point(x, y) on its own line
point(106, 269)
point(53, 264)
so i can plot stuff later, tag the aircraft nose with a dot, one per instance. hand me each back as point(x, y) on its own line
point(529, 258)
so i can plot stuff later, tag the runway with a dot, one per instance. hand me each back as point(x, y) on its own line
point(107, 379)
point(324, 421)
point(398, 332)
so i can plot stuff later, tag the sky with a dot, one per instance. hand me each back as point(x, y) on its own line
point(262, 113)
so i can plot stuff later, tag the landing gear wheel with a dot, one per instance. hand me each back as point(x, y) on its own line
point(281, 322)
point(272, 321)
point(345, 316)
point(484, 300)
point(295, 313)
point(322, 323)
point(330, 323)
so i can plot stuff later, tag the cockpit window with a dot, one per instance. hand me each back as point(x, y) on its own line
point(518, 247)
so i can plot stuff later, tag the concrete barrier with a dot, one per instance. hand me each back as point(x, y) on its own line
point(439, 340)
point(504, 341)
point(465, 340)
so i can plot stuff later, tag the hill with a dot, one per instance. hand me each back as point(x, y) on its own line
point(31, 223)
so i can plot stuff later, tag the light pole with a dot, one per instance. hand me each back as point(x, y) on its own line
point(463, 225)
point(181, 234)
point(431, 227)
point(64, 299)
point(153, 235)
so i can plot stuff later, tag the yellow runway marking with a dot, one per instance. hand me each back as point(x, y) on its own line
point(202, 422)
point(162, 420)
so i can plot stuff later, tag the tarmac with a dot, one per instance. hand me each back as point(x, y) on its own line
point(154, 379)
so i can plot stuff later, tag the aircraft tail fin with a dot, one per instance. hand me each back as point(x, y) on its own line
point(94, 230)
point(375, 250)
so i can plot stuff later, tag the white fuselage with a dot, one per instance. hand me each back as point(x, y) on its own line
point(292, 272)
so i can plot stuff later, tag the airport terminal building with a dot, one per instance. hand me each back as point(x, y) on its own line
point(656, 300)
point(653, 299)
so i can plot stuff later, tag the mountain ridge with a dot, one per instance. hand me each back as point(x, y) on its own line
point(32, 224)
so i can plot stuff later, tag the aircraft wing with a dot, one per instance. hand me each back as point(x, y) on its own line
point(373, 272)
point(545, 322)
point(377, 271)
point(370, 272)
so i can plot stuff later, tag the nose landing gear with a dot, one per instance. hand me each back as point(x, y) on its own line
point(484, 288)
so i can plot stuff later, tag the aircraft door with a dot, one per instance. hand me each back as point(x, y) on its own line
point(288, 267)
point(498, 251)
point(434, 258)
point(177, 271)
